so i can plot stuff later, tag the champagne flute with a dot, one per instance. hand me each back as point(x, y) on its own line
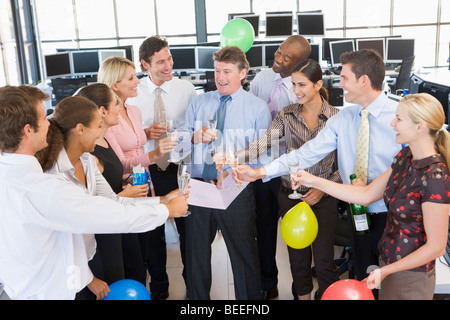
point(233, 161)
point(293, 168)
point(170, 126)
point(218, 150)
point(184, 176)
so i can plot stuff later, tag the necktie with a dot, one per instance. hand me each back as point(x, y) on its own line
point(160, 117)
point(362, 147)
point(209, 168)
point(274, 98)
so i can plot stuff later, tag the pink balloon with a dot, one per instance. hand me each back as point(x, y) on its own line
point(348, 289)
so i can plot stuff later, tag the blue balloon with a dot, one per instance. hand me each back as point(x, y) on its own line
point(127, 289)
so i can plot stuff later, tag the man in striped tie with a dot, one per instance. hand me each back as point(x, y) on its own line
point(362, 79)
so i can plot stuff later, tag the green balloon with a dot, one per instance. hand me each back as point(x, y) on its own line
point(237, 32)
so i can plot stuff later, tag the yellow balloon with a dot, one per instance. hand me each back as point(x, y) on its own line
point(299, 226)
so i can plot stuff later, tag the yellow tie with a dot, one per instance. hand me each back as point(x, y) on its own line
point(362, 147)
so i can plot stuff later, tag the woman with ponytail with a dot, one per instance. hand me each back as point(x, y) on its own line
point(299, 123)
point(75, 127)
point(416, 190)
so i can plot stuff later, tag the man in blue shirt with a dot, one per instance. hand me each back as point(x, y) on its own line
point(241, 119)
point(362, 78)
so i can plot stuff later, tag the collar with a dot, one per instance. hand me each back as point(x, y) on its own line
point(236, 94)
point(286, 81)
point(30, 162)
point(425, 162)
point(296, 109)
point(63, 163)
point(376, 106)
point(165, 87)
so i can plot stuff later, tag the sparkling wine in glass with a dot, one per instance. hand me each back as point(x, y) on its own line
point(293, 168)
point(184, 176)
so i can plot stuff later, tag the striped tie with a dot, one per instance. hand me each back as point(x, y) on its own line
point(362, 147)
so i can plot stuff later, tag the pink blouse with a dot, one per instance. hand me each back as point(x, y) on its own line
point(128, 143)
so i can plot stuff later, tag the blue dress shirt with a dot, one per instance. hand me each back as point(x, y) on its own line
point(247, 119)
point(340, 133)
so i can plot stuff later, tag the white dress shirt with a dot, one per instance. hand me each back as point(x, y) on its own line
point(176, 95)
point(263, 83)
point(43, 217)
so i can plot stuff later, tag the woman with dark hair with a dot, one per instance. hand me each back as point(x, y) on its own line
point(74, 128)
point(299, 123)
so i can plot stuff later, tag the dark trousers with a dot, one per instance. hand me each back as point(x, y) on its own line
point(237, 224)
point(267, 216)
point(322, 247)
point(365, 247)
point(154, 242)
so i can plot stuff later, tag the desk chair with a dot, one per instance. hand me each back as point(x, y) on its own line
point(343, 238)
point(404, 73)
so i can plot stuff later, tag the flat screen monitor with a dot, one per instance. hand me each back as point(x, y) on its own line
point(339, 47)
point(310, 24)
point(57, 65)
point(252, 18)
point(326, 55)
point(204, 58)
point(377, 44)
point(314, 55)
point(104, 54)
point(183, 58)
point(269, 53)
point(85, 62)
point(398, 49)
point(255, 56)
point(279, 25)
point(441, 93)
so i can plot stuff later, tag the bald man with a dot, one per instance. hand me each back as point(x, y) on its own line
point(274, 86)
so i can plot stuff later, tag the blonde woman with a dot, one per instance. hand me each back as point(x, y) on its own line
point(416, 189)
point(128, 137)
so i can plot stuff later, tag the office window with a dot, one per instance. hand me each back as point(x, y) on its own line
point(95, 19)
point(176, 19)
point(333, 13)
point(415, 11)
point(2, 71)
point(60, 26)
point(216, 17)
point(135, 18)
point(263, 6)
point(444, 46)
point(368, 13)
point(445, 11)
point(424, 46)
point(367, 32)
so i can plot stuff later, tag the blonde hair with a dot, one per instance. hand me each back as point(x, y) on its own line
point(424, 107)
point(113, 70)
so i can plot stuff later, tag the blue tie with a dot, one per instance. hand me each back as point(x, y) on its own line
point(209, 169)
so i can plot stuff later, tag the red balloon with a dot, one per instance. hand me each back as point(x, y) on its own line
point(348, 289)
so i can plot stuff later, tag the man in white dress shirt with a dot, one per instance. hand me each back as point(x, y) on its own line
point(43, 218)
point(291, 52)
point(176, 94)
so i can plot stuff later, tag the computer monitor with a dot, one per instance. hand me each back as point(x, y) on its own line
point(57, 65)
point(326, 55)
point(104, 54)
point(440, 92)
point(279, 24)
point(314, 55)
point(183, 59)
point(85, 62)
point(204, 58)
point(310, 24)
point(339, 47)
point(252, 18)
point(398, 49)
point(255, 56)
point(377, 44)
point(269, 53)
